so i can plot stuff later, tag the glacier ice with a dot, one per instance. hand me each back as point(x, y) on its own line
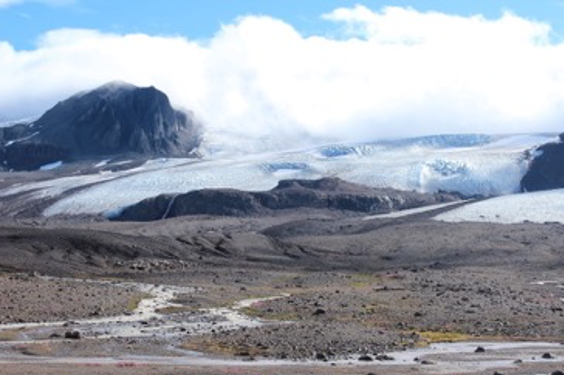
point(470, 164)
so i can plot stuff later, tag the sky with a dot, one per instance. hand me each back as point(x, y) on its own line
point(350, 70)
point(22, 21)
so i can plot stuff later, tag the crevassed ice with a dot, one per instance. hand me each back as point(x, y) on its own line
point(486, 166)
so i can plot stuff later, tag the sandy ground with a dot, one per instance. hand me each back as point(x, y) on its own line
point(128, 368)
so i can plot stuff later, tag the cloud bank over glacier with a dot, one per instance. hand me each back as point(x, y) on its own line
point(388, 73)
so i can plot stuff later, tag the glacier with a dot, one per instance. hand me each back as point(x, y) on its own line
point(470, 164)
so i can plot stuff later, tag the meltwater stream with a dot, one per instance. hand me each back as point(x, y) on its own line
point(146, 320)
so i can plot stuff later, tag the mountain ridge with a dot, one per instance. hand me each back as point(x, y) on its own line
point(114, 119)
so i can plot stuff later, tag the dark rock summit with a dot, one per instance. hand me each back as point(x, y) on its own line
point(547, 169)
point(114, 119)
point(326, 193)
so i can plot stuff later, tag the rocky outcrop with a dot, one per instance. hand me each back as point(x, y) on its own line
point(327, 193)
point(547, 168)
point(30, 156)
point(114, 119)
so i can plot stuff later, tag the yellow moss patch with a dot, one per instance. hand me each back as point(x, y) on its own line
point(111, 279)
point(211, 347)
point(134, 301)
point(281, 316)
point(363, 280)
point(10, 335)
point(433, 336)
point(174, 310)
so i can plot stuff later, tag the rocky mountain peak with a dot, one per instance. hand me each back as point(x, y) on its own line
point(116, 118)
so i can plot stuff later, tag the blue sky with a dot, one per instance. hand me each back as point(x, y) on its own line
point(348, 69)
point(22, 21)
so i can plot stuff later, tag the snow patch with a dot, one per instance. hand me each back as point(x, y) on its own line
point(538, 207)
point(101, 164)
point(51, 166)
point(412, 211)
point(21, 139)
point(124, 162)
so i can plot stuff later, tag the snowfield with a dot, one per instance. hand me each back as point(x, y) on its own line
point(412, 211)
point(470, 164)
point(539, 207)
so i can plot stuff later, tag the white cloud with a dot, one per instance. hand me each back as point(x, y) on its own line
point(7, 3)
point(394, 72)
